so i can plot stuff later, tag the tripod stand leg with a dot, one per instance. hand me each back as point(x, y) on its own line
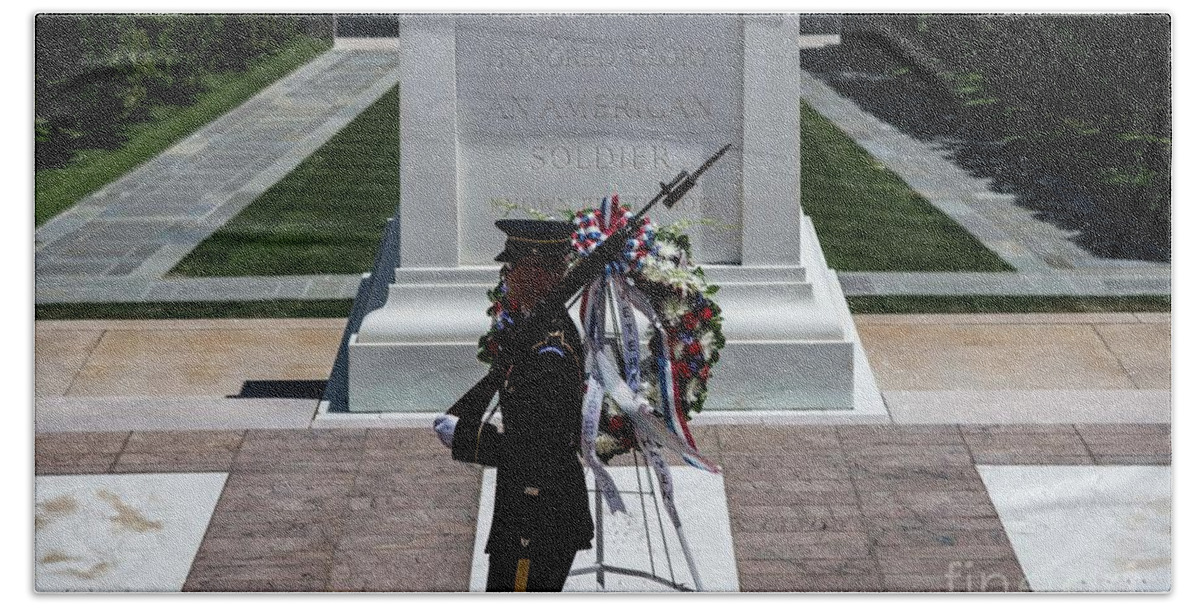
point(687, 555)
point(599, 540)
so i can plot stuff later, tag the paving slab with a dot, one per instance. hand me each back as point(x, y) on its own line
point(1087, 528)
point(1073, 282)
point(1132, 444)
point(1153, 317)
point(58, 355)
point(1144, 351)
point(1040, 318)
point(66, 453)
point(1026, 444)
point(158, 352)
point(701, 501)
point(276, 325)
point(182, 413)
point(120, 532)
point(996, 357)
point(353, 509)
point(209, 362)
point(179, 451)
point(1045, 406)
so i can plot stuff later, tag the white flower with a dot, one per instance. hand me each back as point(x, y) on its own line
point(706, 342)
point(606, 444)
point(611, 406)
point(693, 391)
point(651, 392)
point(673, 310)
point(678, 352)
point(681, 280)
point(667, 250)
point(643, 403)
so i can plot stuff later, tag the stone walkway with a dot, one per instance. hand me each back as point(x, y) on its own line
point(1047, 262)
point(117, 244)
point(969, 369)
point(897, 507)
point(1114, 281)
point(833, 508)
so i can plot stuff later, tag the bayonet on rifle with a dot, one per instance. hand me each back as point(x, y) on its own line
point(580, 275)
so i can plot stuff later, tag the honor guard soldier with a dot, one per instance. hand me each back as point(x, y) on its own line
point(541, 515)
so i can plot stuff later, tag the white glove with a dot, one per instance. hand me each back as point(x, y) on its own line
point(444, 426)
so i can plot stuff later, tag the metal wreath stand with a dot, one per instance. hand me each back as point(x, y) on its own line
point(600, 568)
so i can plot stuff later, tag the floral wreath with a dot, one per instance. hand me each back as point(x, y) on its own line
point(657, 264)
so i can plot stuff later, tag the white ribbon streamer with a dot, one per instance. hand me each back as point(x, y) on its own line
point(630, 341)
point(665, 376)
point(592, 402)
point(637, 408)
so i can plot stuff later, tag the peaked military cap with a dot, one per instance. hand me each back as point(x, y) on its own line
point(534, 237)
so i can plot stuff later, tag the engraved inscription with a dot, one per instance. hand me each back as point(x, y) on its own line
point(600, 156)
point(554, 112)
point(570, 54)
point(603, 106)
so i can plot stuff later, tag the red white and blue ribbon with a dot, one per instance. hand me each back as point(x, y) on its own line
point(670, 399)
point(652, 433)
point(593, 400)
point(594, 227)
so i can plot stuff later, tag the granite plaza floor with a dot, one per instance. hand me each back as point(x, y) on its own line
point(1004, 426)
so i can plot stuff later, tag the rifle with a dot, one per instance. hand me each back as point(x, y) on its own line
point(591, 266)
point(583, 273)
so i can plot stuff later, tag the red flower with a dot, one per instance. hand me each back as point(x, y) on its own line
point(681, 369)
point(706, 314)
point(703, 373)
point(689, 320)
point(615, 424)
point(693, 348)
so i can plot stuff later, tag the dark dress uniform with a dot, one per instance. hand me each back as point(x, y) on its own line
point(541, 516)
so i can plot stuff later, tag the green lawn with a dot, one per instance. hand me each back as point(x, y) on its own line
point(325, 217)
point(89, 170)
point(869, 219)
point(858, 305)
point(268, 309)
point(1006, 304)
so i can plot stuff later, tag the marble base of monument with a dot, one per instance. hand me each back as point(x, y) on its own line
point(791, 344)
